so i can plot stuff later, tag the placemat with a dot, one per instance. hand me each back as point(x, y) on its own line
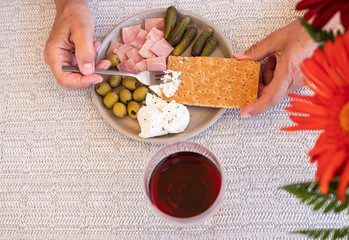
point(66, 174)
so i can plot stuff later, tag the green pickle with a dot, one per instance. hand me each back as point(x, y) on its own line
point(132, 109)
point(188, 37)
point(114, 80)
point(110, 99)
point(200, 42)
point(170, 20)
point(209, 47)
point(103, 88)
point(177, 33)
point(119, 109)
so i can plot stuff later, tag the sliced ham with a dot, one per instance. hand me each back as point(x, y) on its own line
point(129, 34)
point(162, 48)
point(113, 46)
point(142, 65)
point(121, 51)
point(128, 66)
point(156, 64)
point(158, 23)
point(133, 53)
point(155, 34)
point(145, 49)
point(140, 39)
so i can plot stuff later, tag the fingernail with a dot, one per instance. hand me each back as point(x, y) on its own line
point(239, 54)
point(246, 115)
point(87, 69)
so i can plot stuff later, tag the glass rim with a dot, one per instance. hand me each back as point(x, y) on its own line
point(186, 221)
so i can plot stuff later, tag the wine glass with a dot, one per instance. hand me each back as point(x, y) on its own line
point(184, 183)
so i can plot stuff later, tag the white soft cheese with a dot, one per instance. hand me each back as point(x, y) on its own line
point(154, 101)
point(169, 85)
point(175, 117)
point(158, 117)
point(150, 120)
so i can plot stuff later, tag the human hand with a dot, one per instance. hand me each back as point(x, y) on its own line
point(286, 49)
point(71, 43)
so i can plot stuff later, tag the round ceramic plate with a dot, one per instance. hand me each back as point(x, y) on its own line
point(200, 117)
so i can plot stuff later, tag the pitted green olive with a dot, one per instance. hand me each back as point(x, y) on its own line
point(113, 58)
point(110, 99)
point(130, 83)
point(125, 95)
point(103, 88)
point(119, 110)
point(132, 109)
point(114, 80)
point(140, 93)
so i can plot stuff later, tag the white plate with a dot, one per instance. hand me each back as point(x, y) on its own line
point(200, 117)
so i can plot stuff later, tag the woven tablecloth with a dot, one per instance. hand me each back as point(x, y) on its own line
point(65, 173)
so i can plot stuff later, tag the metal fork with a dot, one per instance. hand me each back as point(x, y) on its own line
point(145, 77)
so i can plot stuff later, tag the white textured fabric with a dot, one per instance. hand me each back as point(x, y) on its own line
point(66, 174)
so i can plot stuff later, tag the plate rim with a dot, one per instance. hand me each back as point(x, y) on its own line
point(161, 139)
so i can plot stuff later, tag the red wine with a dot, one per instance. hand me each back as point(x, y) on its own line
point(184, 184)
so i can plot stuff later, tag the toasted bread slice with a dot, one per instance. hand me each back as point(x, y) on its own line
point(215, 82)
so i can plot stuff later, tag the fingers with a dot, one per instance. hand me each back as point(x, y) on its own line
point(268, 70)
point(82, 37)
point(270, 95)
point(260, 50)
point(76, 80)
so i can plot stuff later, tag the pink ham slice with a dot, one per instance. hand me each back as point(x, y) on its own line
point(158, 23)
point(129, 33)
point(113, 46)
point(162, 48)
point(140, 39)
point(142, 65)
point(128, 66)
point(121, 51)
point(156, 64)
point(133, 53)
point(155, 34)
point(145, 49)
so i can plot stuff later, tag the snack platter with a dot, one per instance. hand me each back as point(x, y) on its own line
point(200, 117)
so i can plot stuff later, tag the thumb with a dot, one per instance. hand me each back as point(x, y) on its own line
point(259, 50)
point(85, 51)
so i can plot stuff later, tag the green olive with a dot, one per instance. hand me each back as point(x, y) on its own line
point(125, 95)
point(103, 88)
point(114, 80)
point(110, 99)
point(130, 83)
point(113, 58)
point(140, 93)
point(132, 109)
point(119, 110)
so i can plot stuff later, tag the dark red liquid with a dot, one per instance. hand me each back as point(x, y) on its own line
point(184, 184)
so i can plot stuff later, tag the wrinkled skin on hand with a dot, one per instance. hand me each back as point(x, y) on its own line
point(71, 43)
point(285, 50)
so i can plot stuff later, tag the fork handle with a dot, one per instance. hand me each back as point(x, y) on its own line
point(98, 71)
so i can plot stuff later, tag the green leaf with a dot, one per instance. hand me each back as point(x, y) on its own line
point(319, 35)
point(341, 207)
point(309, 194)
point(324, 233)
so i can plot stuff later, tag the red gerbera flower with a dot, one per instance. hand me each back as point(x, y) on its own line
point(327, 74)
point(324, 11)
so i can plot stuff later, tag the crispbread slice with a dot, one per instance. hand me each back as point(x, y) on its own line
point(215, 82)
